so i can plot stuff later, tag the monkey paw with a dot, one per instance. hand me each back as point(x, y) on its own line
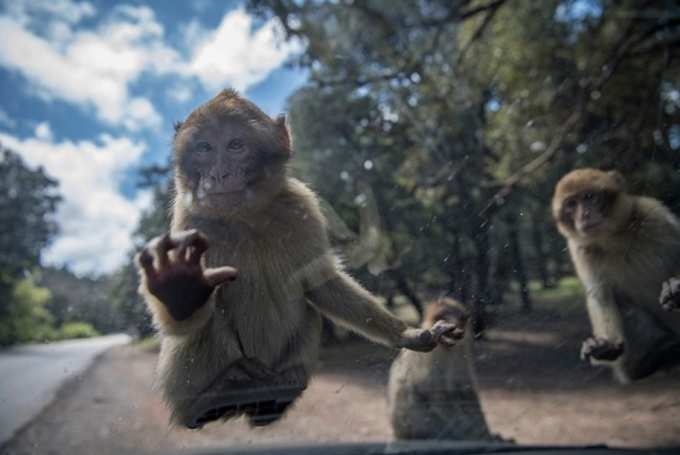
point(601, 349)
point(425, 340)
point(172, 267)
point(670, 295)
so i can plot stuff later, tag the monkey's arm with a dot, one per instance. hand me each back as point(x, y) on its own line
point(607, 323)
point(175, 286)
point(342, 299)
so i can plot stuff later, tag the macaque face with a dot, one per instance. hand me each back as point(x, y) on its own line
point(588, 203)
point(587, 211)
point(226, 163)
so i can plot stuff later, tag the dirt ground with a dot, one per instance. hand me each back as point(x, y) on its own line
point(533, 389)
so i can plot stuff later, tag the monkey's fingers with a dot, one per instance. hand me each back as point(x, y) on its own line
point(446, 333)
point(190, 245)
point(219, 275)
point(601, 349)
point(159, 248)
point(145, 261)
point(670, 295)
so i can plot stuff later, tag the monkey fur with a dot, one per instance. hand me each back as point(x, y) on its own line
point(623, 248)
point(238, 286)
point(433, 395)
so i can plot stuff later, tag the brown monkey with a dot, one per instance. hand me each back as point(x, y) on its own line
point(247, 346)
point(622, 247)
point(432, 395)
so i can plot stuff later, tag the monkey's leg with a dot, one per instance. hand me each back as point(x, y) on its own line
point(647, 345)
point(670, 295)
point(248, 387)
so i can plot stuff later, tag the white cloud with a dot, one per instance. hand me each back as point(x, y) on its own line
point(94, 66)
point(43, 131)
point(95, 219)
point(90, 67)
point(236, 55)
point(180, 93)
point(63, 10)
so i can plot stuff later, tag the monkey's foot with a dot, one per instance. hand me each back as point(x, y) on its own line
point(670, 295)
point(601, 349)
point(248, 387)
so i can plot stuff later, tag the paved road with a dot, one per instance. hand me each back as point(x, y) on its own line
point(30, 376)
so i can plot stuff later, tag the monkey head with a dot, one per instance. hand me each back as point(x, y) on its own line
point(445, 309)
point(229, 155)
point(590, 204)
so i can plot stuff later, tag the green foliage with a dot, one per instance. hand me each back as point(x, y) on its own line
point(80, 299)
point(71, 330)
point(26, 318)
point(468, 113)
point(28, 201)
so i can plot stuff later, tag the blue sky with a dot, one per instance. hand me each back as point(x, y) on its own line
point(89, 90)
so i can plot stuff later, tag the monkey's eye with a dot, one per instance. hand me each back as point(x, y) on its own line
point(570, 204)
point(203, 147)
point(235, 144)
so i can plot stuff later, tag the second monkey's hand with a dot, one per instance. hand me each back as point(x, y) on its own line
point(425, 340)
point(174, 275)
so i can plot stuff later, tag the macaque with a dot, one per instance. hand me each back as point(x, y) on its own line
point(623, 248)
point(238, 285)
point(432, 395)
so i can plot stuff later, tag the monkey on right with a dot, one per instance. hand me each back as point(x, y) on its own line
point(623, 248)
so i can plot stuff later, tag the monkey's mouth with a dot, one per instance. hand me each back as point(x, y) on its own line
point(589, 227)
point(229, 182)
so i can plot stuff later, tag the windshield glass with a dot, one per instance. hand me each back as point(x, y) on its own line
point(303, 221)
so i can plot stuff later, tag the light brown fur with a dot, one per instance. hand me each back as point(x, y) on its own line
point(433, 395)
point(622, 261)
point(264, 328)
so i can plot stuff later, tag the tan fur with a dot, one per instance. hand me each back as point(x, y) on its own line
point(622, 265)
point(433, 395)
point(275, 236)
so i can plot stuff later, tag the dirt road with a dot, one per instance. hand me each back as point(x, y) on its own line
point(532, 385)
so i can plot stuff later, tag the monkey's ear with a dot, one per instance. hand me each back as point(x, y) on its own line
point(618, 178)
point(284, 134)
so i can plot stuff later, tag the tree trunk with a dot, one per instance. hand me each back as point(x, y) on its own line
point(539, 250)
point(458, 281)
point(481, 296)
point(518, 264)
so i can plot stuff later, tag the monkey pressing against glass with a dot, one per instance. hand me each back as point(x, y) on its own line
point(432, 395)
point(623, 248)
point(245, 344)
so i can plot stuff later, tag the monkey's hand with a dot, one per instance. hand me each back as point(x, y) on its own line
point(425, 340)
point(172, 267)
point(601, 349)
point(670, 295)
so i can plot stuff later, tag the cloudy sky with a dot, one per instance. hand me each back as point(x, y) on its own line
point(89, 90)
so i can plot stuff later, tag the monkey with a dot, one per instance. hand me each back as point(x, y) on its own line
point(623, 247)
point(433, 395)
point(238, 285)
